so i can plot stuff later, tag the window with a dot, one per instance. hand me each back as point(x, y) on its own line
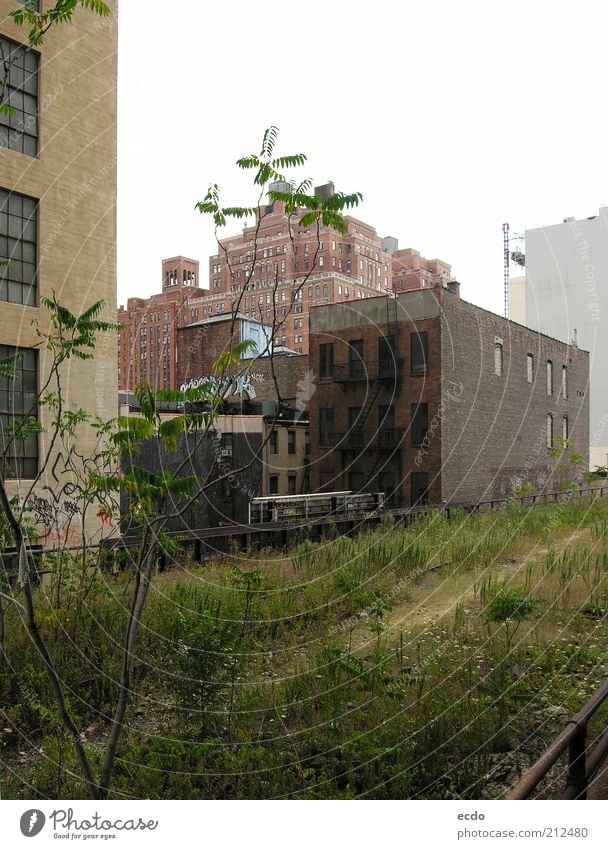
point(386, 355)
point(19, 131)
point(564, 381)
point(420, 423)
point(386, 416)
point(353, 416)
point(356, 364)
point(419, 352)
point(530, 368)
point(273, 442)
point(17, 402)
point(274, 485)
point(227, 445)
point(18, 233)
point(291, 483)
point(326, 359)
point(498, 359)
point(549, 377)
point(326, 425)
point(326, 480)
point(356, 480)
point(565, 427)
point(420, 485)
point(291, 442)
point(549, 430)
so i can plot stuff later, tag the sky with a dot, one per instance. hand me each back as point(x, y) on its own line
point(450, 119)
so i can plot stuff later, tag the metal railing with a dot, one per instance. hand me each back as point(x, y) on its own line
point(359, 440)
point(582, 765)
point(375, 370)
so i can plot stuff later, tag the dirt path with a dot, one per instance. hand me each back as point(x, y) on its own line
point(437, 595)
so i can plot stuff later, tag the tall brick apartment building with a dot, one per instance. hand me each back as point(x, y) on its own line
point(266, 267)
point(429, 398)
point(147, 341)
point(271, 276)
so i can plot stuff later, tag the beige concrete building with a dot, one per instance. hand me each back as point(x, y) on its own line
point(517, 299)
point(58, 231)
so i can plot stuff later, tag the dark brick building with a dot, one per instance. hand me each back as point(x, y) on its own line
point(200, 345)
point(429, 398)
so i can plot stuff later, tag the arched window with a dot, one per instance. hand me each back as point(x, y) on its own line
point(498, 359)
point(530, 368)
point(549, 430)
point(549, 377)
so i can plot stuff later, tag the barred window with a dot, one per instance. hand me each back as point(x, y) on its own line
point(19, 87)
point(17, 402)
point(18, 235)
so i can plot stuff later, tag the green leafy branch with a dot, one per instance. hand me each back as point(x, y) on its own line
point(62, 12)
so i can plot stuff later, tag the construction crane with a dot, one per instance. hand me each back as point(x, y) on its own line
point(517, 256)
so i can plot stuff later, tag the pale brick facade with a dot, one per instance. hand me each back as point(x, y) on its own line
point(68, 175)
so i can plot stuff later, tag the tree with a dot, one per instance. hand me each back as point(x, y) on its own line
point(509, 608)
point(113, 474)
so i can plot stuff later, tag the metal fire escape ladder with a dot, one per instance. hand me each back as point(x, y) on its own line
point(378, 382)
point(377, 460)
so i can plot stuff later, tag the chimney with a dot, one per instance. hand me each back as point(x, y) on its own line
point(454, 286)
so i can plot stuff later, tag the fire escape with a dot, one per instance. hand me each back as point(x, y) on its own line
point(368, 449)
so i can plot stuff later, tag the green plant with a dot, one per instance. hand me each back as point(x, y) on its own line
point(509, 607)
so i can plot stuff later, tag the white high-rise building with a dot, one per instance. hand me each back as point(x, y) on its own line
point(566, 296)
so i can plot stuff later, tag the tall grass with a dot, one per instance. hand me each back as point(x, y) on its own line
point(296, 687)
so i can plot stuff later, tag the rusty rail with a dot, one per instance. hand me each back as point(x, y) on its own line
point(582, 765)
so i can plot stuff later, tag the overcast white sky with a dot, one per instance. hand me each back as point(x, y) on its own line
point(449, 117)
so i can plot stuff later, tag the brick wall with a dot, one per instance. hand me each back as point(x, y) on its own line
point(199, 346)
point(384, 461)
point(486, 432)
point(495, 427)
